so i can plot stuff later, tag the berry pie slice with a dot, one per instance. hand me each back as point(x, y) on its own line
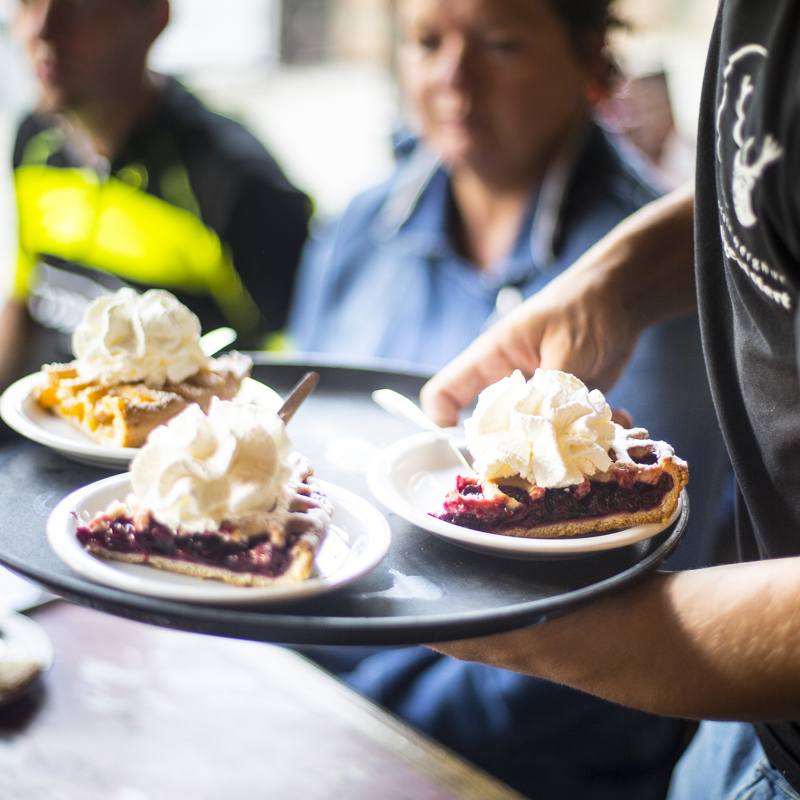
point(281, 552)
point(642, 484)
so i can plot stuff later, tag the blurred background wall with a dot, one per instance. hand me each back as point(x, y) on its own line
point(313, 79)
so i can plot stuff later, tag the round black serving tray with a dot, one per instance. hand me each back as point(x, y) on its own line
point(426, 589)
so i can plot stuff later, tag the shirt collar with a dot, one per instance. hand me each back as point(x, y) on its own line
point(548, 216)
point(418, 205)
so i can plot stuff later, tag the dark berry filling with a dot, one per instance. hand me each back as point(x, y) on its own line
point(469, 508)
point(216, 548)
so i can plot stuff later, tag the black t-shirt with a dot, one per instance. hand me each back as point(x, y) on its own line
point(748, 259)
point(239, 190)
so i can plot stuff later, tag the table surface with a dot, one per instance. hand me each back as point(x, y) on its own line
point(136, 712)
point(426, 589)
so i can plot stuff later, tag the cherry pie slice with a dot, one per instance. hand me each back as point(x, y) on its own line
point(280, 553)
point(642, 485)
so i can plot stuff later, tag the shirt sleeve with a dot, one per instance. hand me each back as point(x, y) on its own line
point(267, 228)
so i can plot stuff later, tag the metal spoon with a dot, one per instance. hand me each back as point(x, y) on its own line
point(296, 397)
point(213, 341)
point(398, 404)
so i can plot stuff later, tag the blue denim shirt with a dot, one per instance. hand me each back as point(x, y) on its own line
point(386, 281)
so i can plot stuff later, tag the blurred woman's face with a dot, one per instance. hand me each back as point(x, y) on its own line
point(495, 84)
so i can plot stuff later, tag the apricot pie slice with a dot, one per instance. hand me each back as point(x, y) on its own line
point(122, 415)
point(642, 485)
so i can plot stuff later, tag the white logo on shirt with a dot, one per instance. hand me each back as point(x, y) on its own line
point(745, 162)
point(747, 169)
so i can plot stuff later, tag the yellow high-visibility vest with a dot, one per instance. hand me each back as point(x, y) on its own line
point(110, 225)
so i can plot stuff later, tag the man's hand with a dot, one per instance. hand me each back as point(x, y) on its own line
point(715, 643)
point(574, 324)
point(586, 321)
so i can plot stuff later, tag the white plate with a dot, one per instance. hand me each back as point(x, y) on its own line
point(412, 477)
point(357, 541)
point(20, 411)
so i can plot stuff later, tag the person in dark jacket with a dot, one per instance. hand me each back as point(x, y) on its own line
point(123, 177)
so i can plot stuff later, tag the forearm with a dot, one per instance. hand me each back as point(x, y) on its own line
point(588, 320)
point(647, 260)
point(721, 643)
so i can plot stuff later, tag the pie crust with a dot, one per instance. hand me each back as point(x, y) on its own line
point(123, 415)
point(274, 555)
point(642, 485)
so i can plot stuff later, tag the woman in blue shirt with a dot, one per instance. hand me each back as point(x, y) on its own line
point(509, 181)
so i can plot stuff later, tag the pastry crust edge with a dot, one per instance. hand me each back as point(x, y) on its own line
point(302, 563)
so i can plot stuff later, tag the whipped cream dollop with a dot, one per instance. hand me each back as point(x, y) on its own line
point(126, 337)
point(200, 470)
point(551, 430)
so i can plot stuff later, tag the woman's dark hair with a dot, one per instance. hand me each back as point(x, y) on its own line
point(585, 20)
point(586, 16)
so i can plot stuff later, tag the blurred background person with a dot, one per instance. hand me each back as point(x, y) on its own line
point(505, 181)
point(640, 109)
point(122, 176)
